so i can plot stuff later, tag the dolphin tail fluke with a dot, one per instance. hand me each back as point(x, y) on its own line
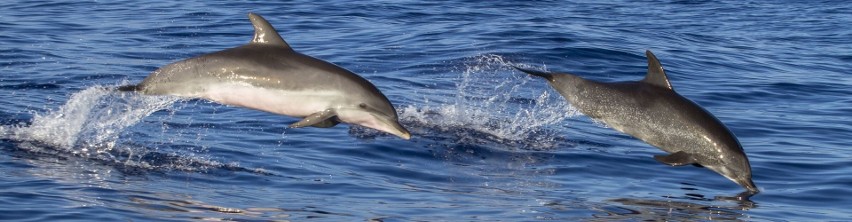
point(128, 88)
point(545, 75)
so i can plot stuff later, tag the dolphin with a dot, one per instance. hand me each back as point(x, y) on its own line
point(268, 75)
point(653, 112)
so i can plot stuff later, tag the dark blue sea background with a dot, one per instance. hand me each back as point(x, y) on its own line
point(489, 143)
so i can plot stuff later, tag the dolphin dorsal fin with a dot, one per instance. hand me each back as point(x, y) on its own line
point(656, 75)
point(264, 33)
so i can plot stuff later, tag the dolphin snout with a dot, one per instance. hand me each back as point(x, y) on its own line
point(748, 184)
point(400, 130)
point(387, 124)
point(405, 135)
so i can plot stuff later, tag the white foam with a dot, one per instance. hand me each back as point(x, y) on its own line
point(486, 102)
point(90, 122)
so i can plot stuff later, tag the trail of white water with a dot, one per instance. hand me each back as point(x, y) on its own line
point(90, 122)
point(494, 100)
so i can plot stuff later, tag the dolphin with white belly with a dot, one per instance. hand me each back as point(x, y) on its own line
point(266, 74)
point(652, 111)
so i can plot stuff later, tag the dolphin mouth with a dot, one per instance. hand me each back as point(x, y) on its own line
point(405, 135)
point(393, 127)
point(749, 185)
point(400, 131)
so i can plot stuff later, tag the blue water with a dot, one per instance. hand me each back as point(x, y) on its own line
point(489, 143)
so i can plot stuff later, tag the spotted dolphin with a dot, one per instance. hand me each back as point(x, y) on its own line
point(652, 111)
point(268, 75)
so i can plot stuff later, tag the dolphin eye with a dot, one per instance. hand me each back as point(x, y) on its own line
point(362, 105)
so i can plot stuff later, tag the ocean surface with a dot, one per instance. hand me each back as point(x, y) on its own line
point(489, 143)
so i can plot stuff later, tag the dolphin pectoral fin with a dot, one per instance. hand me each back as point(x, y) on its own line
point(679, 158)
point(330, 122)
point(322, 119)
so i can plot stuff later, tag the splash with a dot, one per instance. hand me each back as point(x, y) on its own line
point(90, 125)
point(90, 122)
point(494, 104)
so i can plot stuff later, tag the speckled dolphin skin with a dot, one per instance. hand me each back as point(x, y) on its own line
point(652, 111)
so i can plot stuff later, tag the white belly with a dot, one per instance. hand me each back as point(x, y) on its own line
point(290, 103)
